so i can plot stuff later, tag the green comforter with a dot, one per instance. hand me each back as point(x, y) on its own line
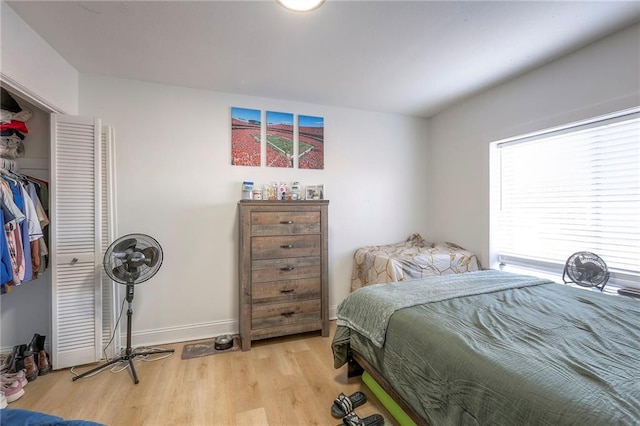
point(543, 354)
point(368, 311)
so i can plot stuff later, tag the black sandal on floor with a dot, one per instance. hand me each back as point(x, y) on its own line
point(344, 404)
point(352, 419)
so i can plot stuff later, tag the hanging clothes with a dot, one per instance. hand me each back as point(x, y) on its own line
point(34, 232)
point(41, 199)
point(24, 218)
point(39, 249)
point(18, 198)
point(6, 270)
point(23, 201)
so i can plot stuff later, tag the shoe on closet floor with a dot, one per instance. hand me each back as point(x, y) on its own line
point(11, 361)
point(44, 364)
point(44, 361)
point(24, 359)
point(12, 391)
point(31, 367)
point(34, 344)
point(20, 376)
point(40, 355)
point(6, 363)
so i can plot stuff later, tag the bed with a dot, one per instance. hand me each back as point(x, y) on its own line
point(491, 347)
point(413, 258)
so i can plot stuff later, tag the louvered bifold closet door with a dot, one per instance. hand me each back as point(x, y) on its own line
point(76, 240)
point(110, 307)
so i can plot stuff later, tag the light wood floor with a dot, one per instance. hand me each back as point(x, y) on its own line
point(283, 381)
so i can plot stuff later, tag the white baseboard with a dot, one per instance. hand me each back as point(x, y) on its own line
point(186, 333)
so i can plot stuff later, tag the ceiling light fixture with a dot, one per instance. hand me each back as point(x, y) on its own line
point(301, 5)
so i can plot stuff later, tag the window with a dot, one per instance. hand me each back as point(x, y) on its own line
point(569, 189)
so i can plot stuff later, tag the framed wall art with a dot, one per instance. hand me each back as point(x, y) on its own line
point(279, 139)
point(246, 132)
point(310, 142)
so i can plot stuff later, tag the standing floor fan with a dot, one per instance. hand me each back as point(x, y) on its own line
point(130, 260)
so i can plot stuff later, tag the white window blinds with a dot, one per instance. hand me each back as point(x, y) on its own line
point(569, 190)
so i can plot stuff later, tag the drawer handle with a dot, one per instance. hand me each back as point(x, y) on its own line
point(287, 268)
point(287, 314)
point(287, 246)
point(286, 222)
point(287, 291)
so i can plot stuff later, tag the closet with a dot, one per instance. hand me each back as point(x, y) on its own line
point(74, 304)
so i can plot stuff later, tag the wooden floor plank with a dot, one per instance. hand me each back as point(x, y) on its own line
point(283, 381)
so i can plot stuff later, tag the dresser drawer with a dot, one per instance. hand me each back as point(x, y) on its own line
point(286, 291)
point(285, 314)
point(285, 246)
point(285, 269)
point(285, 223)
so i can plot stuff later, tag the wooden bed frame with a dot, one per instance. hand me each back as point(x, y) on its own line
point(357, 364)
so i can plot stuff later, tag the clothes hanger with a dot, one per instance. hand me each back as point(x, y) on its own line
point(9, 165)
point(33, 180)
point(8, 175)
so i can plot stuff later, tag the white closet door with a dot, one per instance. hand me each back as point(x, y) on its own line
point(76, 245)
point(110, 307)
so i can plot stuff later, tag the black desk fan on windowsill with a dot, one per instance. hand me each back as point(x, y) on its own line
point(130, 260)
point(586, 269)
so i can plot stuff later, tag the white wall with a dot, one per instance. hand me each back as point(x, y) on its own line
point(36, 72)
point(29, 64)
point(176, 183)
point(597, 79)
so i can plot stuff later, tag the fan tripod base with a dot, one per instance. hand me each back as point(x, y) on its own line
point(126, 357)
point(129, 354)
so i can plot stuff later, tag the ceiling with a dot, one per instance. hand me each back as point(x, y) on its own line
point(412, 58)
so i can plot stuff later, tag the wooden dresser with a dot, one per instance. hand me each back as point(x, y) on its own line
point(283, 268)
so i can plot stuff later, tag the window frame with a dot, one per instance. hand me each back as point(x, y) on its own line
point(531, 265)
